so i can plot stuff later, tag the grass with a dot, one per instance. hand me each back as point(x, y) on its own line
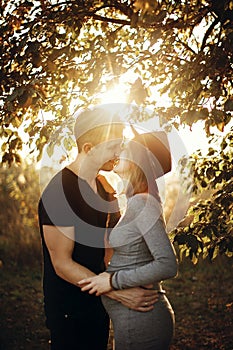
point(202, 298)
point(22, 318)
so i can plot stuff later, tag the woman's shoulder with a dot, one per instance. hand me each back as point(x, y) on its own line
point(144, 196)
point(140, 200)
point(146, 210)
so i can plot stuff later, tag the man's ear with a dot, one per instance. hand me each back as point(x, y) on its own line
point(87, 146)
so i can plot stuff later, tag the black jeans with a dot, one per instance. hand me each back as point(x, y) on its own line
point(87, 332)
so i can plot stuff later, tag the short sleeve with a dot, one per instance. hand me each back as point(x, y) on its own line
point(54, 207)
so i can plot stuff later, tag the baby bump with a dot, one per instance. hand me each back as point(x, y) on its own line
point(136, 330)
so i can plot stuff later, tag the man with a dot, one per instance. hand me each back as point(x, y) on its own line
point(74, 211)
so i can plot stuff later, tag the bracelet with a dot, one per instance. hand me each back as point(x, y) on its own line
point(110, 280)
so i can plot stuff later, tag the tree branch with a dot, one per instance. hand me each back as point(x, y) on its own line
point(186, 46)
point(110, 20)
point(209, 30)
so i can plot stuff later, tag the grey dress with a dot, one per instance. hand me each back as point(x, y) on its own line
point(142, 255)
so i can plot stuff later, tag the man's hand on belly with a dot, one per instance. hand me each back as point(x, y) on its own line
point(139, 299)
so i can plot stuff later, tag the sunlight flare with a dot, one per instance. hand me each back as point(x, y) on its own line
point(115, 95)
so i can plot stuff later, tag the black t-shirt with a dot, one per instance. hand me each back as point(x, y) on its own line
point(69, 201)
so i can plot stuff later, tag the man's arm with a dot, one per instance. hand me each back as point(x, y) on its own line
point(60, 244)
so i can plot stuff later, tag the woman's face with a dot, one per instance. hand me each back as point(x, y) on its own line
point(123, 165)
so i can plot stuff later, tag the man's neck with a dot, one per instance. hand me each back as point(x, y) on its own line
point(84, 171)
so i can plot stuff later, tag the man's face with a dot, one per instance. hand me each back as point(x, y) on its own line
point(104, 154)
point(111, 148)
point(107, 153)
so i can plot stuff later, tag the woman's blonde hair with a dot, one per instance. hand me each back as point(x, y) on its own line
point(142, 172)
point(137, 182)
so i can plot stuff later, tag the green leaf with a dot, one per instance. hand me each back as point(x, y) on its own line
point(50, 149)
point(228, 106)
point(192, 242)
point(180, 238)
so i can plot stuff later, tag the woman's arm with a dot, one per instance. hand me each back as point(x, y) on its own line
point(148, 222)
point(163, 266)
point(147, 212)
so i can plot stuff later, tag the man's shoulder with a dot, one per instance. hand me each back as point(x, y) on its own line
point(62, 178)
point(55, 200)
point(55, 181)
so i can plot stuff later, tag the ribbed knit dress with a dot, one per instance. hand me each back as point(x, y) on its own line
point(143, 254)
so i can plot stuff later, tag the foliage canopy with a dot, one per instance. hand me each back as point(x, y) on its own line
point(207, 228)
point(54, 52)
point(58, 56)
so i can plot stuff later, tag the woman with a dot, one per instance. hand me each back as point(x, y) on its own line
point(143, 255)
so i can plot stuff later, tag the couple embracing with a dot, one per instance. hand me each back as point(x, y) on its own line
point(78, 213)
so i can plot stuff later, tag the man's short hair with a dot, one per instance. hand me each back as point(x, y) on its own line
point(95, 125)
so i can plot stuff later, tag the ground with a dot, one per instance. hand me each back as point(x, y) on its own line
point(201, 295)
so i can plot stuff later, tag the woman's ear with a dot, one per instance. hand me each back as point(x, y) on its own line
point(87, 147)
